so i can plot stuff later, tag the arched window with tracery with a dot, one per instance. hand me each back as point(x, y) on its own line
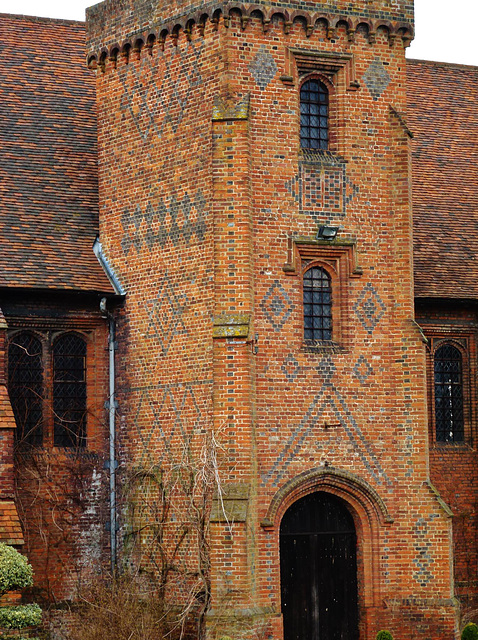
point(317, 289)
point(25, 386)
point(448, 378)
point(314, 115)
point(69, 391)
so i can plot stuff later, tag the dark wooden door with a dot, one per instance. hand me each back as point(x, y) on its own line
point(319, 570)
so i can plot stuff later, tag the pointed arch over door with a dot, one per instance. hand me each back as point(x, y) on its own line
point(318, 561)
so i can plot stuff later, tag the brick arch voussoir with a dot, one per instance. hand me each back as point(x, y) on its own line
point(358, 493)
point(102, 59)
point(305, 19)
point(256, 11)
point(282, 15)
point(338, 20)
point(92, 62)
point(237, 9)
point(452, 342)
point(367, 508)
point(360, 22)
point(114, 51)
point(83, 335)
point(384, 24)
point(405, 32)
point(12, 335)
point(321, 17)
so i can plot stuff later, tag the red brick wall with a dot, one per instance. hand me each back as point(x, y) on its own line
point(207, 209)
point(11, 531)
point(156, 229)
point(61, 492)
point(453, 466)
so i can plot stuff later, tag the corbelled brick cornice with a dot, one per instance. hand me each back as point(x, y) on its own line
point(114, 27)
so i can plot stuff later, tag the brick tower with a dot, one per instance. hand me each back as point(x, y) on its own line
point(255, 205)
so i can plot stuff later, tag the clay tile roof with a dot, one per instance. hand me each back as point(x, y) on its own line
point(48, 157)
point(7, 419)
point(443, 115)
point(10, 527)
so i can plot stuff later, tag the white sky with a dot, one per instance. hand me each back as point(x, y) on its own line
point(438, 36)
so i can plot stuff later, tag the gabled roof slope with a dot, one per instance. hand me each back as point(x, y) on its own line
point(48, 157)
point(443, 115)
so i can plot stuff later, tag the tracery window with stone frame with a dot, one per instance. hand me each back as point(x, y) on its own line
point(47, 383)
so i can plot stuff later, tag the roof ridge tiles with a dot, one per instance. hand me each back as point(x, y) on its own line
point(437, 63)
point(19, 16)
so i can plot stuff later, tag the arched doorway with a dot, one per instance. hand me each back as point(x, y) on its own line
point(318, 560)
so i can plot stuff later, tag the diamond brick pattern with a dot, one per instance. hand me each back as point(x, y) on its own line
point(362, 369)
point(172, 411)
point(329, 400)
point(423, 561)
point(165, 315)
point(177, 221)
point(326, 368)
point(263, 67)
point(156, 95)
point(290, 368)
point(369, 308)
point(277, 306)
point(376, 78)
point(351, 191)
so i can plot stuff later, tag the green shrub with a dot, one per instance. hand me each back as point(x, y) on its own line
point(384, 635)
point(470, 632)
point(5, 637)
point(15, 572)
point(19, 617)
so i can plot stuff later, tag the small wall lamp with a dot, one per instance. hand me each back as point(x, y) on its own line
point(327, 232)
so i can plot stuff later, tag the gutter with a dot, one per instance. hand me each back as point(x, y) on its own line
point(111, 463)
point(103, 260)
point(111, 403)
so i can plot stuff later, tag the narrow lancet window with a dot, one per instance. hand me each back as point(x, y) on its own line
point(314, 115)
point(69, 391)
point(25, 387)
point(449, 422)
point(317, 305)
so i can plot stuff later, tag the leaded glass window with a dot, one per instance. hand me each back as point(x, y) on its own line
point(317, 304)
point(69, 391)
point(448, 372)
point(314, 115)
point(25, 387)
